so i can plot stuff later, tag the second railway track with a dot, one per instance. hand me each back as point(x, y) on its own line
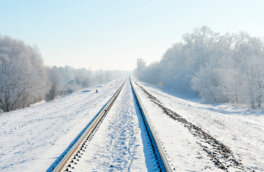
point(70, 158)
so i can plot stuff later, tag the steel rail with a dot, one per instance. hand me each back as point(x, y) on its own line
point(72, 150)
point(157, 148)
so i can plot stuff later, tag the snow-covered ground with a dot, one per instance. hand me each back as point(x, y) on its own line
point(32, 138)
point(121, 142)
point(240, 130)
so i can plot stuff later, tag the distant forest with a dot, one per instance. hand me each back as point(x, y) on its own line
point(24, 79)
point(219, 68)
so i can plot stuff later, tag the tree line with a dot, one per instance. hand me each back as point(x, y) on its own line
point(217, 67)
point(24, 79)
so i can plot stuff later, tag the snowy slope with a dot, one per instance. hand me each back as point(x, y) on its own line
point(32, 138)
point(239, 129)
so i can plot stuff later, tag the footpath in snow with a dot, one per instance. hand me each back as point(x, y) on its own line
point(204, 137)
point(120, 143)
point(32, 138)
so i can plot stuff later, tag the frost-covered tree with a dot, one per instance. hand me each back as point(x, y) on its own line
point(218, 68)
point(25, 80)
point(141, 65)
point(74, 79)
point(54, 83)
point(22, 75)
point(209, 84)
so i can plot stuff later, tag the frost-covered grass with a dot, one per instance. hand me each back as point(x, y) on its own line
point(32, 138)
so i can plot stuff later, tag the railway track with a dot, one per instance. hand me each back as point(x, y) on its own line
point(70, 158)
point(160, 155)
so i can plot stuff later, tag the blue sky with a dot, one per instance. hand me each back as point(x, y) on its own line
point(112, 34)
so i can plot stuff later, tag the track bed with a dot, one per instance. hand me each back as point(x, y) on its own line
point(120, 141)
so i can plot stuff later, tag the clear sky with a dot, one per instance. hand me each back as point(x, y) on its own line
point(112, 34)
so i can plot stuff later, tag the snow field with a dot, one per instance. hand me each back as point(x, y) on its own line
point(32, 138)
point(181, 149)
point(241, 130)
